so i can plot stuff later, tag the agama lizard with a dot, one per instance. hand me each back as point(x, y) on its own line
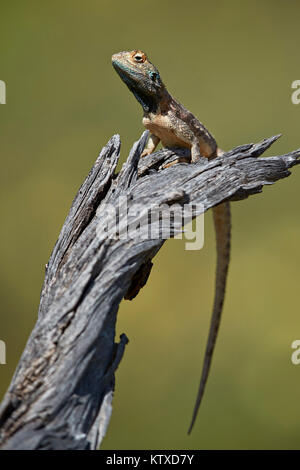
point(175, 126)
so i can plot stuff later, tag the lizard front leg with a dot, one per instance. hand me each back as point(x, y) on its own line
point(153, 142)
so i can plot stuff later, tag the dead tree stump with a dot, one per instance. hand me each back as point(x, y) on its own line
point(60, 396)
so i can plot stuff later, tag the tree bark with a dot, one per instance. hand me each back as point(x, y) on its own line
point(61, 393)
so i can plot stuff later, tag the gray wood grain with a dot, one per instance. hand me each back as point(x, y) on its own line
point(61, 393)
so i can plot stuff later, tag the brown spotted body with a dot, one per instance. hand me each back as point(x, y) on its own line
point(177, 127)
point(174, 126)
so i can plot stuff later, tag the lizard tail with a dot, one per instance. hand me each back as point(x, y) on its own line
point(222, 221)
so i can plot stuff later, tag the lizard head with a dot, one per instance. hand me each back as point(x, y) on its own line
point(141, 77)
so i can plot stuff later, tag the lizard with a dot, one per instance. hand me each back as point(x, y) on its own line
point(170, 123)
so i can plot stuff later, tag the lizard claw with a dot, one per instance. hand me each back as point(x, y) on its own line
point(200, 160)
point(145, 153)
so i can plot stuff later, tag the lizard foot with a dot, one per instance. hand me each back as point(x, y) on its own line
point(178, 160)
point(199, 160)
point(146, 152)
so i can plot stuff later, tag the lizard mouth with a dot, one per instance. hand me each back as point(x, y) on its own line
point(126, 73)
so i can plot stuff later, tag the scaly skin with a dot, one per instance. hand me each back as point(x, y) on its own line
point(175, 126)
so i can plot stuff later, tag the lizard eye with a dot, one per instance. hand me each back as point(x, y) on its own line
point(139, 57)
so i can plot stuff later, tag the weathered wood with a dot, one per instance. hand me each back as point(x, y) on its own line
point(61, 393)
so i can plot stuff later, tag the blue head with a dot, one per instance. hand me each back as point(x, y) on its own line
point(141, 77)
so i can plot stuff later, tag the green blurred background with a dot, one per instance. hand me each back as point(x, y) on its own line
point(232, 64)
